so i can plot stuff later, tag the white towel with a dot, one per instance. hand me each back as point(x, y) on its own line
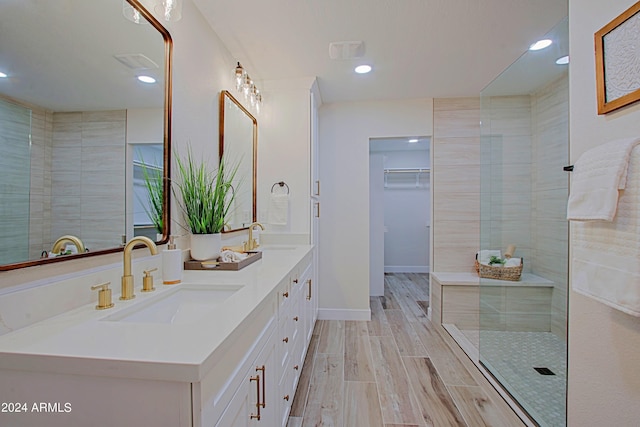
point(485, 255)
point(231, 256)
point(597, 176)
point(606, 255)
point(513, 262)
point(278, 213)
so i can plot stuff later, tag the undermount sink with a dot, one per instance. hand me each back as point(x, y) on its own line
point(185, 305)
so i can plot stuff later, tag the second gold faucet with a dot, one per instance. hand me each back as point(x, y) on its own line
point(251, 242)
point(127, 278)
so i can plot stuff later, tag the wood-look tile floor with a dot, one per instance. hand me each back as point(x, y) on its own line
point(396, 370)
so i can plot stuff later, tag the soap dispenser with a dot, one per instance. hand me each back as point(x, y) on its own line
point(171, 264)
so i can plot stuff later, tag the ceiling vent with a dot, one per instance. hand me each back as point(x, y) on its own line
point(136, 61)
point(346, 50)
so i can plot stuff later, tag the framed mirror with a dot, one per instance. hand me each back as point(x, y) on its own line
point(78, 129)
point(239, 147)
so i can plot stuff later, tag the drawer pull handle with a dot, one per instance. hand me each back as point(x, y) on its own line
point(286, 294)
point(285, 339)
point(295, 280)
point(296, 367)
point(295, 318)
point(264, 382)
point(309, 294)
point(286, 398)
point(257, 380)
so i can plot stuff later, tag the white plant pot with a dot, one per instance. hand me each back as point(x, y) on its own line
point(206, 246)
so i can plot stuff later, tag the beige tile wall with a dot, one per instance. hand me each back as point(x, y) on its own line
point(523, 203)
point(456, 183)
point(550, 112)
point(88, 176)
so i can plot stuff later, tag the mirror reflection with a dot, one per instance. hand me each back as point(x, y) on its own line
point(78, 129)
point(238, 147)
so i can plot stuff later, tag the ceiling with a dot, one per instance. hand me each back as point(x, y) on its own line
point(417, 48)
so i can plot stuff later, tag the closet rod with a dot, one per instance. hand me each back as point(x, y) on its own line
point(403, 170)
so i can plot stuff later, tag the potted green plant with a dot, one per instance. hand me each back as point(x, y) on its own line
point(205, 198)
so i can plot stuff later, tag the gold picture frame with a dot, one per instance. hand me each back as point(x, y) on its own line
point(617, 84)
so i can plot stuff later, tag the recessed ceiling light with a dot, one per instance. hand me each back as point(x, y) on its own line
point(146, 79)
point(3, 75)
point(540, 44)
point(363, 69)
point(413, 141)
point(564, 60)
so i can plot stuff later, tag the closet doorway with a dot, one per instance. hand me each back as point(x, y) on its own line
point(399, 207)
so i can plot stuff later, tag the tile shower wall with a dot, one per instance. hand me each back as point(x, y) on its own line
point(88, 176)
point(15, 127)
point(550, 123)
point(456, 183)
point(528, 187)
point(506, 187)
point(40, 199)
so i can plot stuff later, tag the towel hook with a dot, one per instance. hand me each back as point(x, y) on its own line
point(281, 184)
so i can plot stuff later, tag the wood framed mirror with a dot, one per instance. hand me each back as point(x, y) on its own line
point(239, 147)
point(78, 127)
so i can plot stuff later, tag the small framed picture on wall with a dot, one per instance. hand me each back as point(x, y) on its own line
point(617, 47)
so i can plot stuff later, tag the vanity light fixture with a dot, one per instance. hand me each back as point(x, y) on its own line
point(146, 79)
point(168, 10)
point(412, 141)
point(541, 44)
point(248, 88)
point(3, 75)
point(362, 69)
point(563, 60)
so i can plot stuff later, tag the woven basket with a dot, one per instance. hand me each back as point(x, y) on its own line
point(500, 273)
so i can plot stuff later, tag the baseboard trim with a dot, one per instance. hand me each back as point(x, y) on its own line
point(343, 314)
point(406, 269)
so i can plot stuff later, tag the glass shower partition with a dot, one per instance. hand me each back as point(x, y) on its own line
point(524, 190)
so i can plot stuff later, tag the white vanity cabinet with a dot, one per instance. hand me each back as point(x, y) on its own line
point(241, 357)
point(275, 361)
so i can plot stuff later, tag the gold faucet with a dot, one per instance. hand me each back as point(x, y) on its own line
point(252, 243)
point(59, 244)
point(127, 278)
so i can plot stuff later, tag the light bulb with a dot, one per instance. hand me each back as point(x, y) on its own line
point(246, 87)
point(239, 73)
point(252, 95)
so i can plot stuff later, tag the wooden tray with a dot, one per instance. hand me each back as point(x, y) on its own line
point(225, 266)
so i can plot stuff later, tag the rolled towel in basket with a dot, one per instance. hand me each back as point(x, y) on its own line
point(513, 262)
point(485, 255)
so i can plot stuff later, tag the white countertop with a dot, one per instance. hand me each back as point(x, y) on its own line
point(81, 342)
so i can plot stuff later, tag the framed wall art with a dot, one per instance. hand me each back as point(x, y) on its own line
point(617, 47)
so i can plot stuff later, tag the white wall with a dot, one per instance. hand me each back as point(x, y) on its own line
point(604, 344)
point(407, 213)
point(345, 129)
point(376, 224)
point(284, 150)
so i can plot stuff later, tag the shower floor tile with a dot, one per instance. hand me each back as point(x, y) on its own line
point(512, 356)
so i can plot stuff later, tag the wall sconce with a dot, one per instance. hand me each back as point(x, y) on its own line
point(245, 85)
point(168, 10)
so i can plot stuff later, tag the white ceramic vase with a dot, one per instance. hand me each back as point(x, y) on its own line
point(206, 246)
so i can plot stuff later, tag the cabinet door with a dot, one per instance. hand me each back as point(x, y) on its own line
point(268, 366)
point(256, 402)
point(241, 407)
